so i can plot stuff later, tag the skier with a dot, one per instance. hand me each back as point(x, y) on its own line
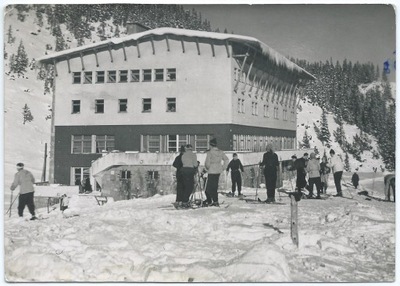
point(355, 179)
point(301, 164)
point(236, 166)
point(25, 180)
point(270, 163)
point(189, 166)
point(324, 171)
point(179, 180)
point(214, 168)
point(313, 170)
point(336, 163)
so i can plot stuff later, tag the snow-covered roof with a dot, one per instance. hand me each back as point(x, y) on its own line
point(267, 51)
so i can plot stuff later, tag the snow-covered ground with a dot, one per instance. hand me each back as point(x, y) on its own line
point(143, 240)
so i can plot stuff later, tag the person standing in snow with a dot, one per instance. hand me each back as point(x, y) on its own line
point(25, 180)
point(236, 167)
point(189, 166)
point(179, 179)
point(88, 186)
point(355, 179)
point(336, 163)
point(301, 164)
point(270, 163)
point(324, 171)
point(216, 162)
point(313, 170)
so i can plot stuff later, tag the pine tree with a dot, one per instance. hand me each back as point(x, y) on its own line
point(325, 134)
point(5, 52)
point(21, 60)
point(306, 141)
point(27, 115)
point(12, 63)
point(339, 134)
point(10, 38)
point(347, 163)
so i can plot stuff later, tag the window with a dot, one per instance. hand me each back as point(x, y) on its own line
point(123, 76)
point(112, 76)
point(135, 75)
point(105, 142)
point(147, 75)
point(99, 106)
point(81, 144)
point(239, 105)
point(125, 174)
point(276, 111)
point(76, 77)
point(76, 106)
point(152, 175)
point(159, 75)
point(79, 174)
point(146, 105)
point(123, 105)
point(171, 104)
point(266, 110)
point(172, 143)
point(171, 74)
point(243, 106)
point(183, 140)
point(88, 77)
point(284, 114)
point(201, 142)
point(100, 77)
point(254, 108)
point(154, 143)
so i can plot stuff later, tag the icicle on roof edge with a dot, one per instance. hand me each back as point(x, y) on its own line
point(267, 51)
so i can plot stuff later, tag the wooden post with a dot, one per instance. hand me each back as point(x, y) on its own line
point(44, 164)
point(294, 233)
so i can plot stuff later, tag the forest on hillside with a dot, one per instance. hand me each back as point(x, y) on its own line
point(336, 90)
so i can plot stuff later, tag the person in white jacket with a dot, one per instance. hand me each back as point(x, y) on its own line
point(336, 163)
point(313, 170)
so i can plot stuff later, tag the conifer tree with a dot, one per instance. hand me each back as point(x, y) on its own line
point(347, 163)
point(10, 38)
point(325, 134)
point(27, 115)
point(306, 141)
point(21, 60)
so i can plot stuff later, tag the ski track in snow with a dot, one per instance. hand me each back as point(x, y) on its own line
point(147, 240)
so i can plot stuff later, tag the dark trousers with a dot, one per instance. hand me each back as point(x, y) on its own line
point(317, 182)
point(270, 182)
point(301, 180)
point(236, 180)
point(212, 188)
point(337, 176)
point(26, 200)
point(188, 183)
point(179, 186)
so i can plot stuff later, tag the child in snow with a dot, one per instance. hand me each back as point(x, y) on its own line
point(236, 166)
point(64, 202)
point(355, 179)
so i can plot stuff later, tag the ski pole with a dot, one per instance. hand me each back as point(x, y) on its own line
point(12, 203)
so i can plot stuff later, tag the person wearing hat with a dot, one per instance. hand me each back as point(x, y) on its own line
point(216, 162)
point(324, 171)
point(336, 163)
point(313, 170)
point(236, 166)
point(189, 167)
point(25, 180)
point(270, 163)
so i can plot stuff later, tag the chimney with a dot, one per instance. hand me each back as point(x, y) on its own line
point(134, 27)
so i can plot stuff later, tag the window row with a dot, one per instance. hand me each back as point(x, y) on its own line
point(172, 143)
point(254, 110)
point(123, 105)
point(113, 76)
point(91, 144)
point(257, 143)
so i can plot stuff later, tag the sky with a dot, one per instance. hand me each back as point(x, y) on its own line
point(362, 32)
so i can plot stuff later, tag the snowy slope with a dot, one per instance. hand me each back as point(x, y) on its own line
point(311, 114)
point(147, 240)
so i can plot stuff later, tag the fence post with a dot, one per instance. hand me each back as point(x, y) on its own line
point(293, 221)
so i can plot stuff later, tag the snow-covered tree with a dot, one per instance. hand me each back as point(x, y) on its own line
point(27, 115)
point(347, 163)
point(306, 141)
point(10, 38)
point(20, 60)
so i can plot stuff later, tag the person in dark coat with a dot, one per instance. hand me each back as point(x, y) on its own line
point(301, 165)
point(179, 180)
point(88, 186)
point(355, 179)
point(270, 163)
point(236, 166)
